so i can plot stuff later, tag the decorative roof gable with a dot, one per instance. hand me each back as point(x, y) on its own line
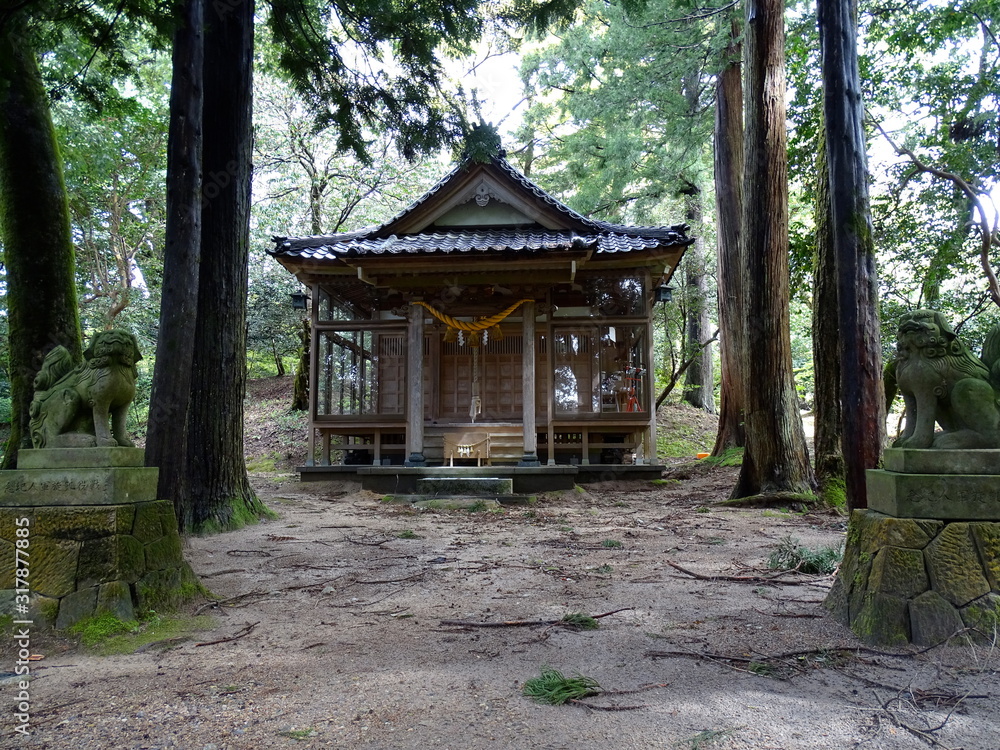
point(485, 208)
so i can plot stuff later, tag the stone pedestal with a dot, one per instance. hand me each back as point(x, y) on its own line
point(98, 540)
point(923, 562)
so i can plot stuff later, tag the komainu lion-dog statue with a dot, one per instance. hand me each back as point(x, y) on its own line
point(942, 381)
point(72, 404)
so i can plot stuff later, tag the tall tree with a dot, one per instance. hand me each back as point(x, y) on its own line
point(167, 433)
point(862, 396)
point(34, 221)
point(776, 459)
point(827, 412)
point(728, 150)
point(90, 38)
point(208, 483)
point(218, 488)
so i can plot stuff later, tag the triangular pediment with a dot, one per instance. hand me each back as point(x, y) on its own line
point(477, 196)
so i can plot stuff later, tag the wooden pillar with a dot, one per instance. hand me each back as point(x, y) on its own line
point(550, 388)
point(528, 385)
point(314, 292)
point(415, 388)
point(649, 447)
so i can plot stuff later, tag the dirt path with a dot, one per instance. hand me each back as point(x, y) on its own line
point(346, 595)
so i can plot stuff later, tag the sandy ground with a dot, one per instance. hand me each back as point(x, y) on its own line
point(329, 633)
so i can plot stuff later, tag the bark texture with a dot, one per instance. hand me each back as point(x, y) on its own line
point(34, 224)
point(776, 458)
point(729, 203)
point(218, 492)
point(166, 436)
point(829, 460)
point(862, 395)
point(699, 383)
point(300, 395)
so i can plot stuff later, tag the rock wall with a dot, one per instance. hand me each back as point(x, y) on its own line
point(913, 580)
point(93, 545)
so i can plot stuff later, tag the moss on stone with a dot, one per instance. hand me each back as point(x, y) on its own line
point(7, 572)
point(933, 619)
point(986, 537)
point(147, 526)
point(165, 552)
point(166, 590)
point(77, 606)
point(876, 530)
point(115, 598)
point(54, 565)
point(109, 559)
point(954, 567)
point(899, 572)
point(44, 610)
point(82, 523)
point(882, 619)
point(984, 616)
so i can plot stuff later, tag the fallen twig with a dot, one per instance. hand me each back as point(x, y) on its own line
point(524, 623)
point(504, 624)
point(228, 602)
point(924, 734)
point(394, 580)
point(366, 543)
point(223, 572)
point(775, 579)
point(245, 632)
point(595, 707)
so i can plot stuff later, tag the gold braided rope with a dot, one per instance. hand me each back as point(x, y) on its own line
point(478, 325)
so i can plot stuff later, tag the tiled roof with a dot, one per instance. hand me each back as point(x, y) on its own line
point(600, 236)
point(482, 241)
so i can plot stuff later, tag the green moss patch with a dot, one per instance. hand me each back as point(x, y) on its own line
point(107, 635)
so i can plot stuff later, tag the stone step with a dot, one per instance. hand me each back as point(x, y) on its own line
point(460, 502)
point(471, 486)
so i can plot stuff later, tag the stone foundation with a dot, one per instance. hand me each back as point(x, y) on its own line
point(98, 539)
point(909, 580)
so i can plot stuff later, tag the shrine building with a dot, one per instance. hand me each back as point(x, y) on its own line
point(487, 325)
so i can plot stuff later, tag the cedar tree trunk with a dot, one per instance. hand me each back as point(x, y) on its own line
point(776, 460)
point(729, 207)
point(166, 436)
point(862, 395)
point(699, 383)
point(219, 495)
point(34, 225)
point(828, 458)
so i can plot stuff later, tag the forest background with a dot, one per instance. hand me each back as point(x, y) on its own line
point(618, 116)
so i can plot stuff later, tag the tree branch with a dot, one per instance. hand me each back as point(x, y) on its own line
point(987, 234)
point(684, 365)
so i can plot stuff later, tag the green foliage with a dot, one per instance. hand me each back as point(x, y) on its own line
point(556, 689)
point(618, 108)
point(107, 635)
point(240, 513)
point(580, 621)
point(95, 630)
point(834, 492)
point(612, 544)
point(729, 457)
point(311, 42)
point(791, 555)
